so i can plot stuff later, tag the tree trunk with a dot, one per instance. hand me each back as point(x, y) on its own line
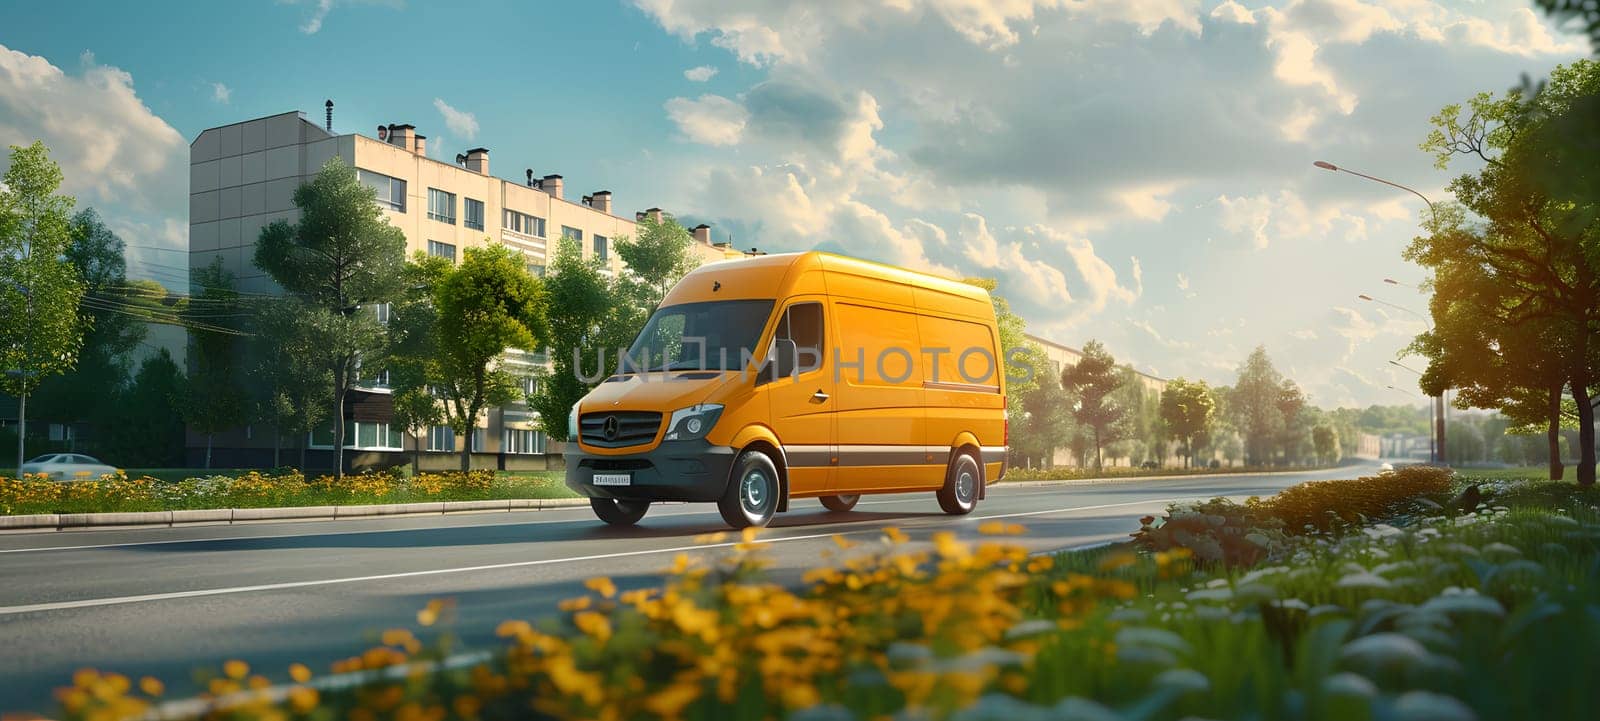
point(416, 455)
point(208, 451)
point(1553, 436)
point(466, 450)
point(1580, 394)
point(277, 447)
point(338, 429)
point(22, 432)
point(1097, 460)
point(1439, 406)
point(304, 441)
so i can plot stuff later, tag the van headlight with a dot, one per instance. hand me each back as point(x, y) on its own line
point(693, 423)
point(572, 424)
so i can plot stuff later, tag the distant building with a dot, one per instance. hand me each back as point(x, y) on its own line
point(1062, 357)
point(242, 177)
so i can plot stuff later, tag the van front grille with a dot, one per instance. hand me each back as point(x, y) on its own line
point(618, 429)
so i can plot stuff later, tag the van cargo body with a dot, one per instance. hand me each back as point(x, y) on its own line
point(806, 375)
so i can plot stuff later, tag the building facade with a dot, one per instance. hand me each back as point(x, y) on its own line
point(242, 178)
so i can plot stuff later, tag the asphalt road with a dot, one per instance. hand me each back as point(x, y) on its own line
point(165, 602)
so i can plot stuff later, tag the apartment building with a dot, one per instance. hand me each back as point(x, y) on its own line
point(242, 177)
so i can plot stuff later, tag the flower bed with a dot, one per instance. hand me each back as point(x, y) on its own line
point(1483, 616)
point(118, 493)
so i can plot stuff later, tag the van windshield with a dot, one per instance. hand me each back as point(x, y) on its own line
point(713, 335)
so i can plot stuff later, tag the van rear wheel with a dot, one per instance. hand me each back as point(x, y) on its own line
point(840, 504)
point(619, 513)
point(753, 489)
point(961, 483)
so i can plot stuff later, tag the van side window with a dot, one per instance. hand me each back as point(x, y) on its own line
point(801, 323)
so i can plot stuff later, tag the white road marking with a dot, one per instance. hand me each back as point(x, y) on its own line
point(117, 600)
point(903, 498)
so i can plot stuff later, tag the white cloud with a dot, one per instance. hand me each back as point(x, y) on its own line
point(462, 124)
point(1304, 334)
point(700, 73)
point(110, 146)
point(1183, 282)
point(709, 119)
point(1286, 216)
point(221, 93)
point(319, 10)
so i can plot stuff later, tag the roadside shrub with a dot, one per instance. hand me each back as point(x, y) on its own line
point(1217, 531)
point(39, 494)
point(1330, 505)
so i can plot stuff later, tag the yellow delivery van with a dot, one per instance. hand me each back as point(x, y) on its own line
point(804, 375)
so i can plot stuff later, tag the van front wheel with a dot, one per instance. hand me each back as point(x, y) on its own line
point(961, 482)
point(619, 513)
point(752, 495)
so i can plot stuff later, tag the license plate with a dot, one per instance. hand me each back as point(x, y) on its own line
point(613, 479)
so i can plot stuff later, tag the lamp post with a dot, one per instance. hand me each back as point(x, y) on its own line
point(1435, 419)
point(1438, 401)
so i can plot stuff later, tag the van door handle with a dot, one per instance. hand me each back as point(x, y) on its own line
point(819, 396)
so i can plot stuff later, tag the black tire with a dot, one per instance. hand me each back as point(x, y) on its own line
point(619, 513)
point(840, 504)
point(961, 484)
point(753, 490)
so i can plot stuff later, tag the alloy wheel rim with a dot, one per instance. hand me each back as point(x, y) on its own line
point(753, 492)
point(965, 483)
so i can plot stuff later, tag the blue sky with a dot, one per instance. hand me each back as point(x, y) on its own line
point(1134, 171)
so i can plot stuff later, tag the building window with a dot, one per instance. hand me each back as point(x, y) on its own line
point(524, 223)
point(390, 191)
point(381, 311)
point(530, 385)
point(568, 231)
point(441, 206)
point(472, 212)
point(522, 441)
point(536, 270)
point(362, 435)
point(600, 247)
point(441, 438)
point(442, 250)
point(480, 439)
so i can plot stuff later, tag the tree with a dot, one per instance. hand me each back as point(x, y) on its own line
point(40, 332)
point(578, 292)
point(1045, 426)
point(1253, 404)
point(341, 258)
point(1325, 438)
point(1187, 409)
point(150, 431)
point(109, 314)
point(656, 259)
point(216, 400)
point(412, 353)
point(1291, 405)
point(487, 305)
point(293, 381)
point(1528, 270)
point(1090, 383)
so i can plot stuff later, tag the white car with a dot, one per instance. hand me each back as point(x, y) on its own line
point(67, 467)
point(1386, 467)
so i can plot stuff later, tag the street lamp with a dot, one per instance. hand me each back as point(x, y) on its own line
point(1396, 306)
point(1325, 165)
point(1435, 446)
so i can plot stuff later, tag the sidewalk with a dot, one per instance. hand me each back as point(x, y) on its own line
point(227, 516)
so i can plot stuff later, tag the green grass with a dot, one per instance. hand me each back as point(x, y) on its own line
point(1069, 473)
point(1525, 473)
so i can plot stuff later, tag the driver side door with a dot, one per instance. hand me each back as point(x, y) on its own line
point(800, 391)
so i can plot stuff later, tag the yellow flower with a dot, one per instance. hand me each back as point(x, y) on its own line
point(843, 542)
point(151, 686)
point(594, 624)
point(236, 669)
point(302, 699)
point(894, 535)
point(602, 586)
point(670, 701)
point(1116, 561)
point(709, 538)
point(299, 672)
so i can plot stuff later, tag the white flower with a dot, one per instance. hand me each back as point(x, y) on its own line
point(1428, 706)
point(1384, 650)
point(1463, 604)
point(1033, 627)
point(1211, 594)
point(1497, 551)
point(1349, 684)
point(1186, 680)
point(1364, 579)
point(1156, 637)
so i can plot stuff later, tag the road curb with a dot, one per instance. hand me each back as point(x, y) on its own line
point(47, 522)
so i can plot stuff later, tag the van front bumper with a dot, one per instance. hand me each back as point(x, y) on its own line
point(672, 471)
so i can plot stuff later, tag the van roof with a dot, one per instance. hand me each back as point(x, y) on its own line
point(777, 266)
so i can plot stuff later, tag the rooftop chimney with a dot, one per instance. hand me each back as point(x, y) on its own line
point(654, 214)
point(401, 135)
point(552, 185)
point(602, 201)
point(588, 200)
point(702, 233)
point(422, 145)
point(329, 106)
point(478, 160)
